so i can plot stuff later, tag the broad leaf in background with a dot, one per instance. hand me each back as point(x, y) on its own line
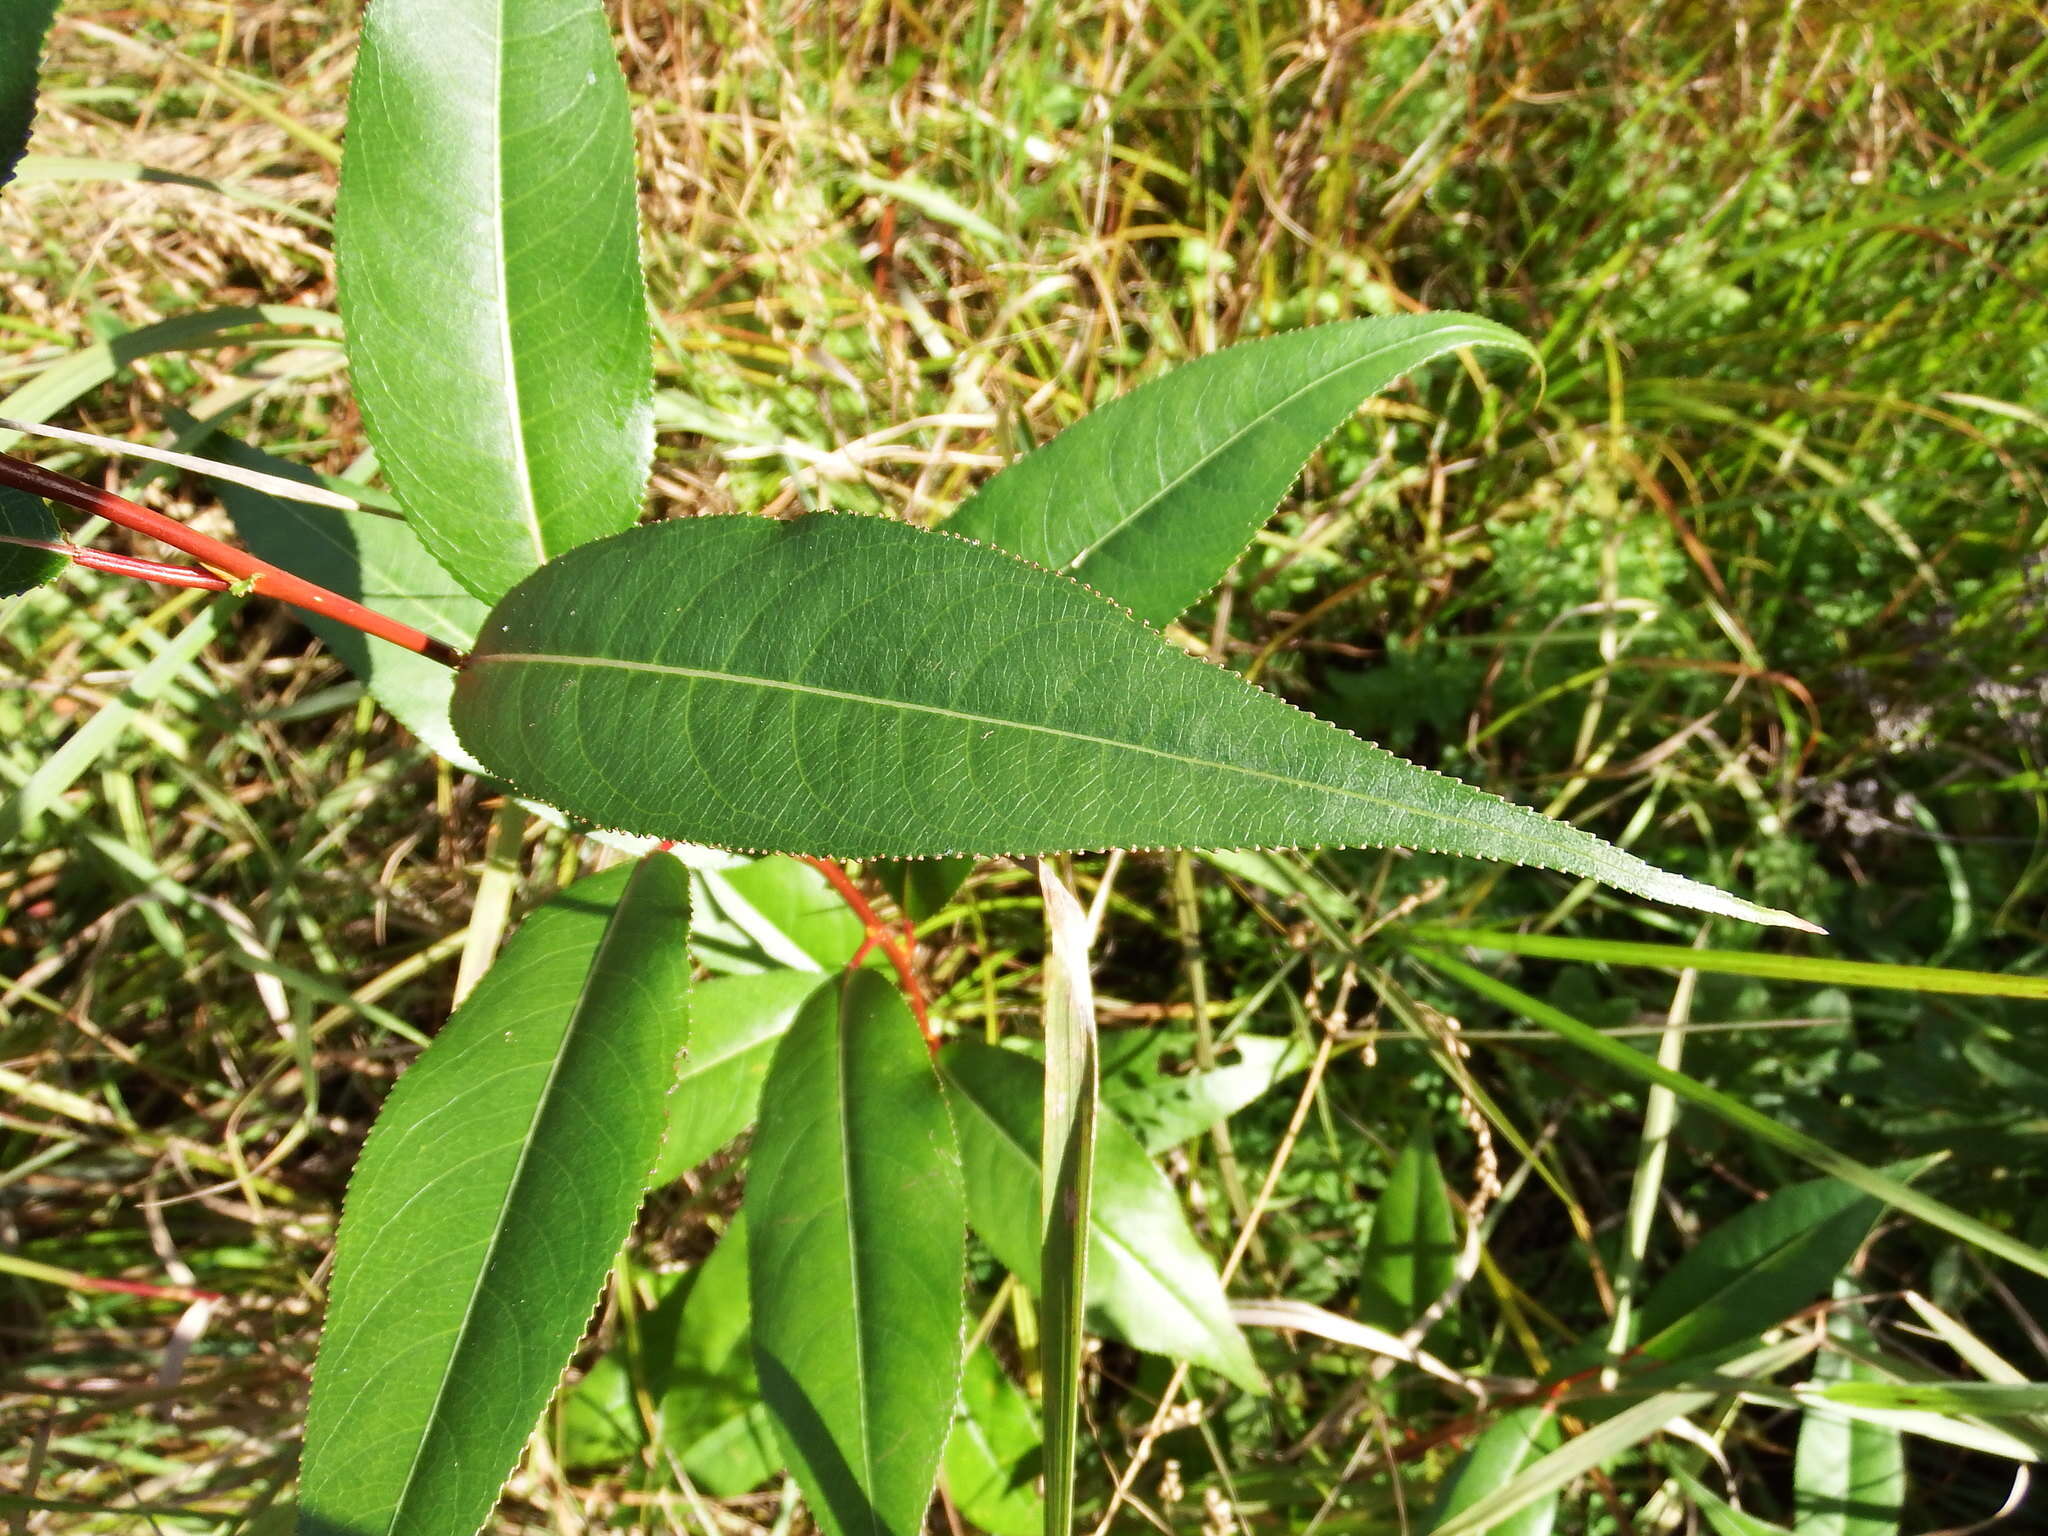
point(1165, 1109)
point(995, 1454)
point(1508, 1445)
point(858, 1255)
point(1411, 1253)
point(690, 1357)
point(1149, 1282)
point(782, 913)
point(24, 24)
point(920, 887)
point(1067, 1154)
point(735, 1022)
point(488, 1205)
point(1150, 498)
point(490, 278)
point(1756, 1269)
point(1848, 1475)
point(24, 566)
point(932, 697)
point(376, 560)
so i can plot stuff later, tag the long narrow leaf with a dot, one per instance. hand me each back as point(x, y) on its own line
point(487, 1207)
point(857, 1227)
point(1150, 498)
point(1067, 1154)
point(490, 278)
point(928, 696)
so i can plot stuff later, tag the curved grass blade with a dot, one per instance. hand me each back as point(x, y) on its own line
point(27, 526)
point(1733, 1111)
point(854, 687)
point(1150, 498)
point(1149, 1281)
point(488, 1205)
point(490, 278)
point(24, 24)
point(1066, 1202)
point(857, 1230)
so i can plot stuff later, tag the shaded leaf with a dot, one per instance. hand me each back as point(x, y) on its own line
point(994, 1454)
point(1411, 1253)
point(855, 1216)
point(1150, 498)
point(22, 566)
point(1165, 1109)
point(378, 561)
point(691, 1360)
point(1497, 1458)
point(1149, 1282)
point(490, 278)
point(489, 1202)
point(735, 1022)
point(24, 24)
point(928, 696)
point(920, 887)
point(1756, 1269)
point(1723, 1518)
point(1848, 1474)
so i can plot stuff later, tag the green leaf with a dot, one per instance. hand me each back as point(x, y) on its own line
point(1166, 1110)
point(994, 1453)
point(772, 913)
point(1150, 498)
point(490, 278)
point(735, 1022)
point(1497, 1458)
point(1756, 1269)
point(1411, 1253)
point(1149, 1281)
point(691, 1360)
point(1989, 1399)
point(375, 560)
point(855, 1214)
point(493, 1193)
point(1723, 1518)
point(1848, 1475)
point(22, 566)
point(927, 696)
point(920, 887)
point(24, 24)
point(1066, 1205)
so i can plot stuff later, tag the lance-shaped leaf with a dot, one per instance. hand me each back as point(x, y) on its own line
point(1150, 498)
point(857, 1232)
point(1149, 1281)
point(488, 1205)
point(1411, 1253)
point(1066, 1204)
point(23, 26)
point(27, 528)
point(735, 1024)
point(855, 687)
point(490, 278)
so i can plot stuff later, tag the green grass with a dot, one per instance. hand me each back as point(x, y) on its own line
point(1753, 583)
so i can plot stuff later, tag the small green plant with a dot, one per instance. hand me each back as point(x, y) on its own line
point(830, 687)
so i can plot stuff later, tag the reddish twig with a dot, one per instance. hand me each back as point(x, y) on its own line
point(127, 565)
point(246, 572)
point(880, 936)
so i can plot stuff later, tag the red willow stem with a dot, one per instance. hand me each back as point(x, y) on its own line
point(879, 934)
point(260, 576)
point(145, 570)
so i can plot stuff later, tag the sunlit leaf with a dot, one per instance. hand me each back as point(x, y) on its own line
point(490, 278)
point(994, 1454)
point(1165, 1109)
point(1150, 498)
point(487, 1207)
point(735, 1022)
point(857, 687)
point(1848, 1474)
point(858, 1248)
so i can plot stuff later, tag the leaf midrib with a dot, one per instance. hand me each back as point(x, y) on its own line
point(542, 1103)
point(1198, 465)
point(781, 685)
point(521, 466)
